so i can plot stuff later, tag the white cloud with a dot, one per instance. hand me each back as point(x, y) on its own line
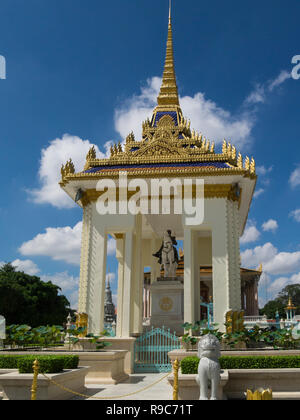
point(270, 225)
point(134, 111)
point(257, 95)
point(279, 80)
point(259, 192)
point(58, 152)
point(65, 281)
point(60, 244)
point(28, 266)
point(260, 91)
point(262, 170)
point(111, 247)
point(295, 178)
point(205, 115)
point(274, 262)
point(69, 286)
point(111, 277)
point(296, 215)
point(272, 288)
point(251, 234)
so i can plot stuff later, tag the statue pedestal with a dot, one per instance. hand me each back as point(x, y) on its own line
point(167, 304)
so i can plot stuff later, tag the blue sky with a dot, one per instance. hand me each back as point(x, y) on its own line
point(87, 72)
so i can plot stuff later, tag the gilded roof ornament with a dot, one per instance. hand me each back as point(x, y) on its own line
point(120, 149)
point(166, 139)
point(247, 163)
point(233, 153)
point(130, 138)
point(240, 161)
point(168, 95)
point(91, 154)
point(252, 166)
point(90, 157)
point(67, 169)
point(224, 147)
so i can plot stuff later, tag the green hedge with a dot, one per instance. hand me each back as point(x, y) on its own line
point(47, 364)
point(9, 361)
point(189, 365)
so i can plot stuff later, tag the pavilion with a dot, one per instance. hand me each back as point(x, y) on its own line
point(168, 149)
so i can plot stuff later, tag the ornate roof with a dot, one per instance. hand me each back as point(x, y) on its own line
point(168, 144)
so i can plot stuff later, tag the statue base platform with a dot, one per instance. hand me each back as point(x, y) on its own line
point(167, 304)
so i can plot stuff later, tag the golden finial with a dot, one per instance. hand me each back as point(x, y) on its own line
point(176, 366)
point(115, 149)
point(252, 166)
point(120, 150)
point(130, 138)
point(247, 163)
point(35, 380)
point(240, 161)
point(229, 148)
point(290, 304)
point(169, 92)
point(91, 154)
point(224, 147)
point(212, 148)
point(260, 268)
point(112, 152)
point(233, 153)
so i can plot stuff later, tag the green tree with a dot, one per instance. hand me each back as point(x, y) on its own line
point(25, 299)
point(279, 304)
point(271, 307)
point(293, 291)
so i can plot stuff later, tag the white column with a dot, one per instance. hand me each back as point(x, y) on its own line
point(97, 281)
point(189, 276)
point(127, 313)
point(120, 249)
point(138, 276)
point(84, 259)
point(92, 271)
point(226, 263)
point(196, 276)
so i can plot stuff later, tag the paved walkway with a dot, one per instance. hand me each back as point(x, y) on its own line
point(160, 392)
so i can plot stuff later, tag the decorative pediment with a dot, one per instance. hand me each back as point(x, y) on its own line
point(159, 147)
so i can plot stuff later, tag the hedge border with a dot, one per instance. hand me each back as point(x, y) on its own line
point(189, 365)
point(47, 363)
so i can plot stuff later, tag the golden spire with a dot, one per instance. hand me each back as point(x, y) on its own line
point(168, 96)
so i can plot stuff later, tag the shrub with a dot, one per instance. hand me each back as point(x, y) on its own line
point(259, 362)
point(9, 361)
point(189, 365)
point(47, 364)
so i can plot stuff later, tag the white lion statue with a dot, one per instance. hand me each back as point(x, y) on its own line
point(209, 366)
